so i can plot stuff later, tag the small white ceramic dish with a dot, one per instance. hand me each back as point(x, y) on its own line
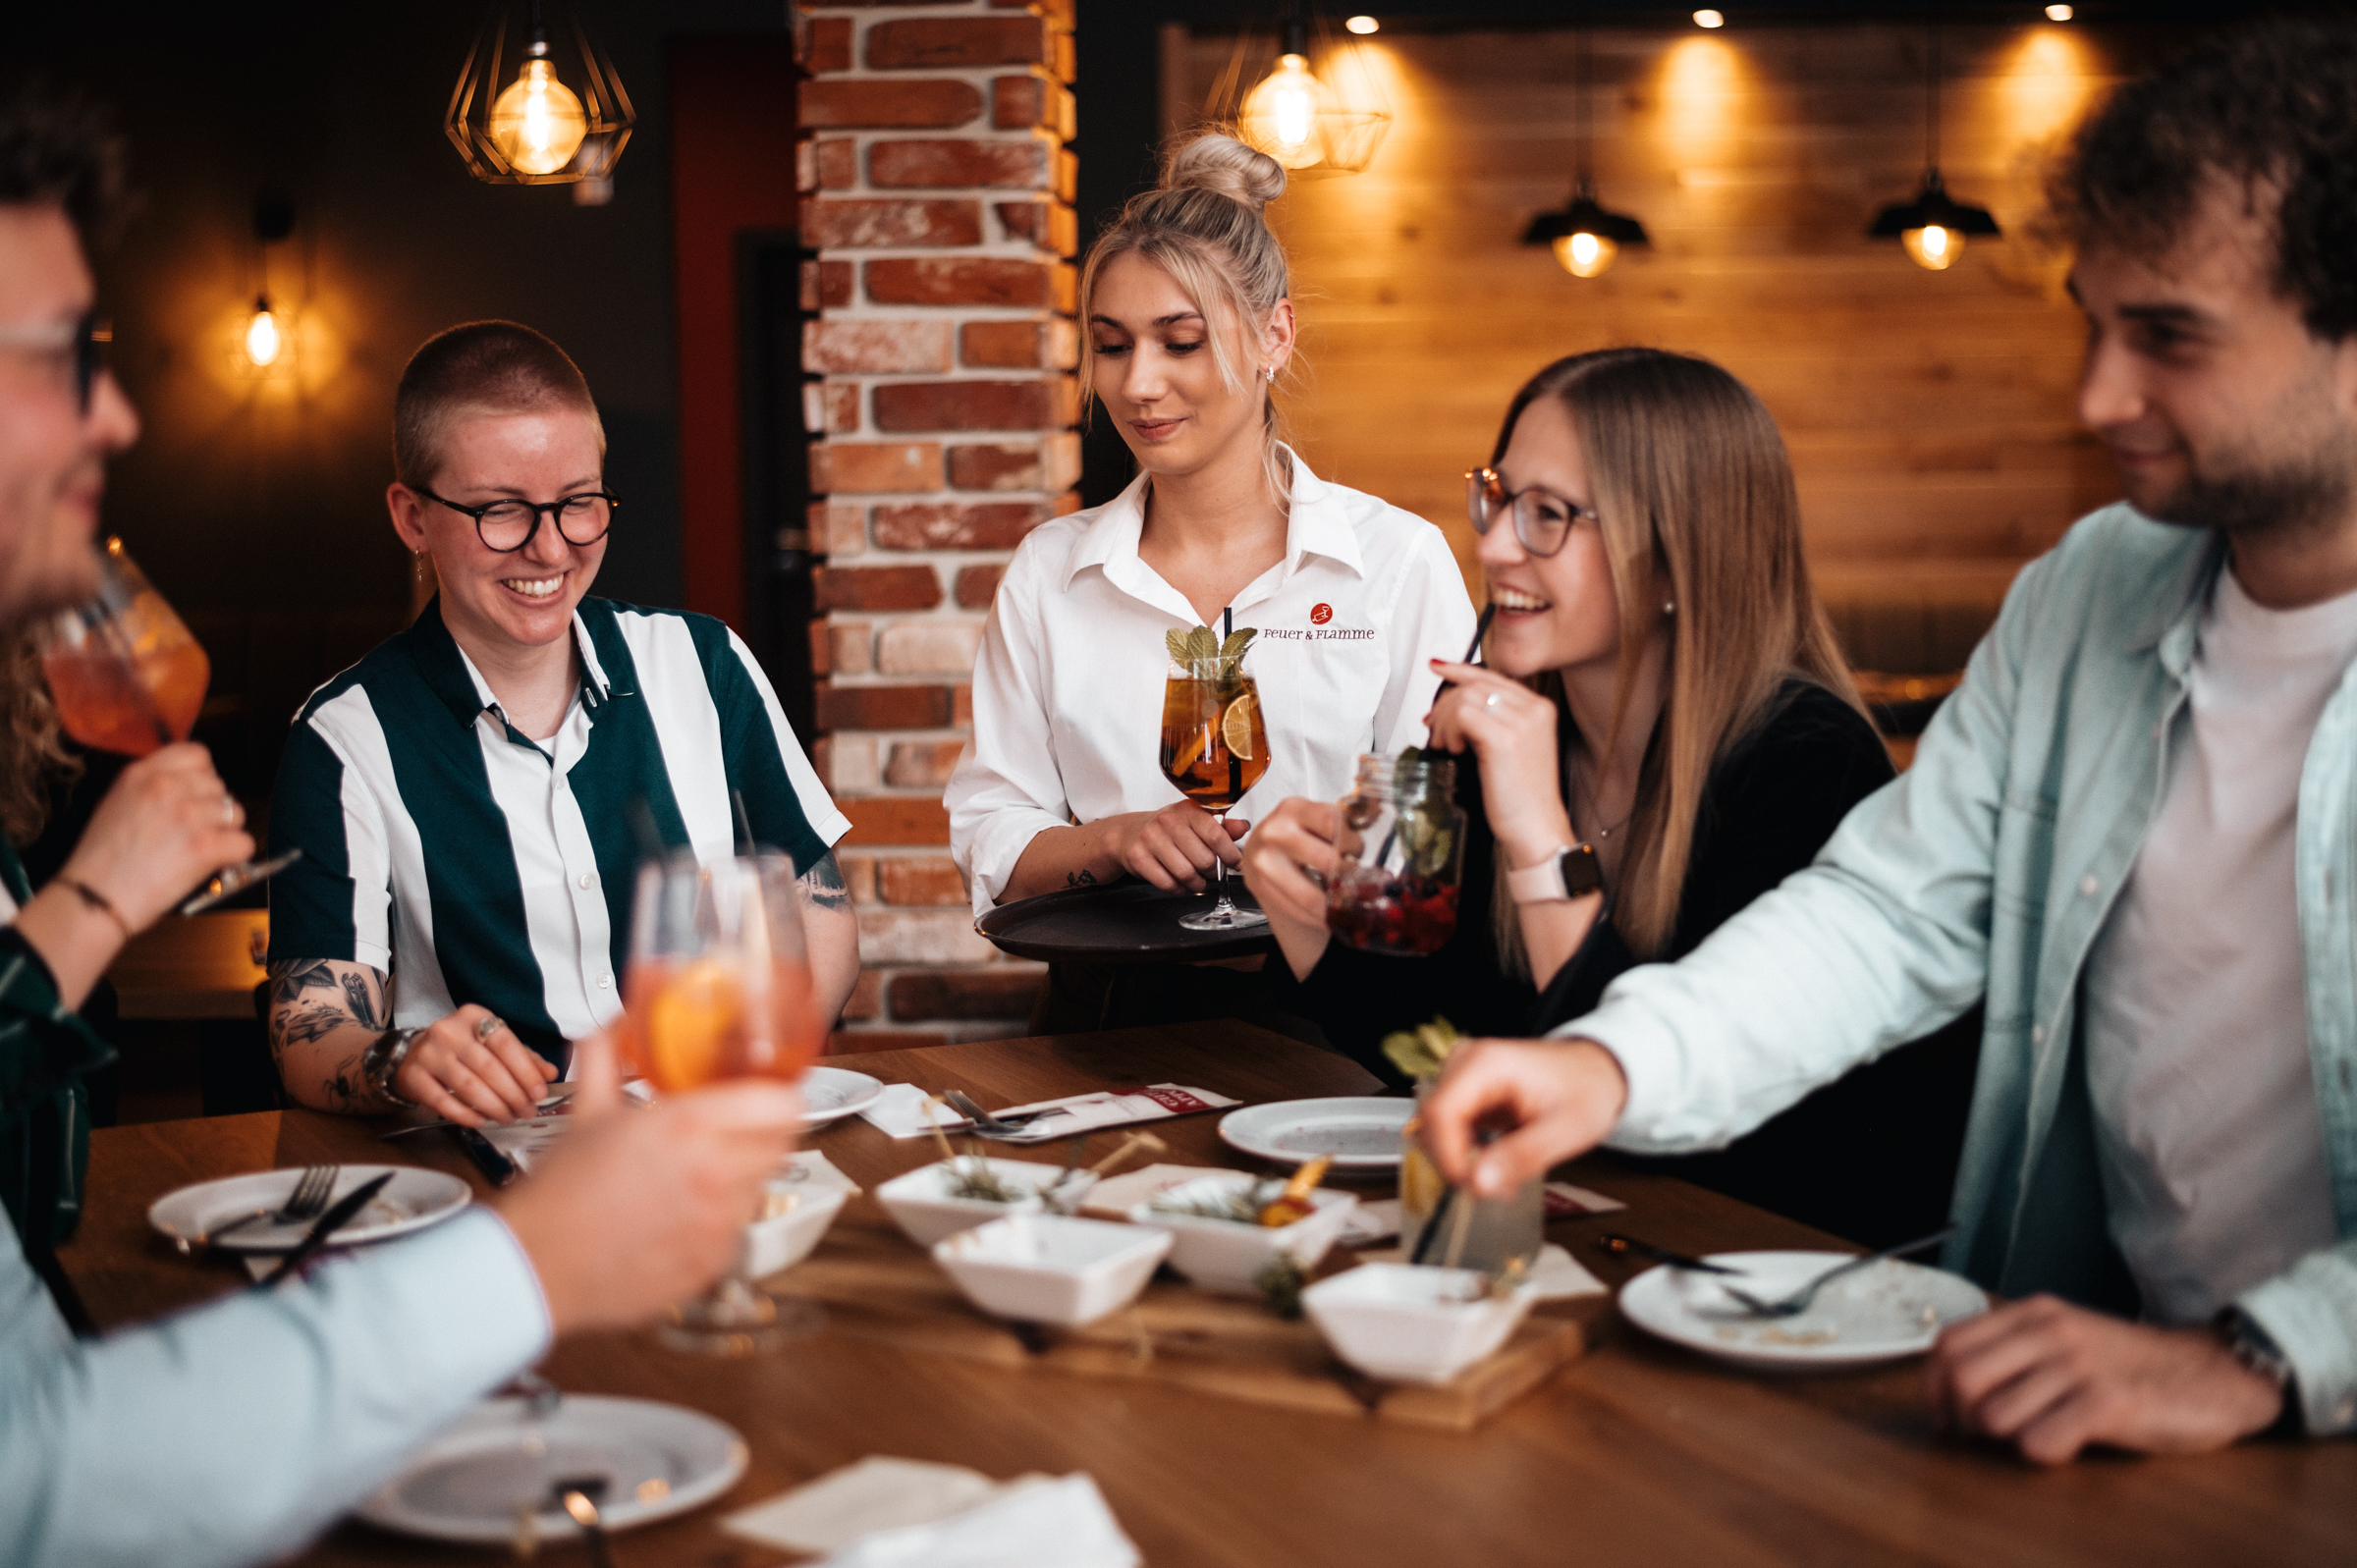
point(798, 1215)
point(1228, 1255)
point(1883, 1311)
point(829, 1093)
point(921, 1202)
point(1360, 1131)
point(1412, 1325)
point(1052, 1268)
point(468, 1484)
point(412, 1200)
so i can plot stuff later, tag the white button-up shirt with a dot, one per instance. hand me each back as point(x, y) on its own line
point(1069, 683)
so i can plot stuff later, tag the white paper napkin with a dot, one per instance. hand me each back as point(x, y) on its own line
point(903, 1513)
point(1564, 1201)
point(903, 1110)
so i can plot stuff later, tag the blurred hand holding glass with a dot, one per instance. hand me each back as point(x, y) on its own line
point(1401, 849)
point(718, 988)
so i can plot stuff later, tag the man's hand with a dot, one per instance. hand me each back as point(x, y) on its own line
point(469, 1078)
point(168, 822)
point(636, 1208)
point(2051, 1378)
point(1559, 1097)
point(1289, 847)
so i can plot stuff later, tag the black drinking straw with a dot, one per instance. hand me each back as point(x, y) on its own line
point(1481, 629)
point(745, 823)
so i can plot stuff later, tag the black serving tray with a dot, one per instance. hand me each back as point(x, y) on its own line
point(1121, 922)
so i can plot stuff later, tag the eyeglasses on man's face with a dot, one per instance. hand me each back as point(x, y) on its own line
point(1543, 521)
point(75, 349)
point(507, 526)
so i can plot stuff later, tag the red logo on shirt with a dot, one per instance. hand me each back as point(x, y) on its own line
point(1319, 615)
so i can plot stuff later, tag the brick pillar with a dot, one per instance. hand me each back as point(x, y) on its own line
point(938, 195)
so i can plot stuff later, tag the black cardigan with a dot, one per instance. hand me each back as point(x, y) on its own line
point(1768, 807)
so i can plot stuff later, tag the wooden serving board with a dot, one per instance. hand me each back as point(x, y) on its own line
point(881, 1287)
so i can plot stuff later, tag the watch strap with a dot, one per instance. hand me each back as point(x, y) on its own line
point(381, 1063)
point(1567, 873)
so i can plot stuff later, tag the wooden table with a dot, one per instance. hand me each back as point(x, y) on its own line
point(1639, 1453)
point(192, 966)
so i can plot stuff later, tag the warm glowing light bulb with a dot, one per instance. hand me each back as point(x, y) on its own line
point(1362, 26)
point(1708, 19)
point(1282, 114)
point(263, 339)
point(1585, 254)
point(537, 124)
point(1933, 245)
point(2058, 13)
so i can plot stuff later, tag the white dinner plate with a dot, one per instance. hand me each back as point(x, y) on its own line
point(412, 1200)
point(468, 1484)
point(1362, 1132)
point(1882, 1313)
point(831, 1093)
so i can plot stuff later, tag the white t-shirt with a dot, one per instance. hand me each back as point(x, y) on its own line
point(1067, 686)
point(2210, 1142)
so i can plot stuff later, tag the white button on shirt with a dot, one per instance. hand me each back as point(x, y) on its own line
point(1069, 684)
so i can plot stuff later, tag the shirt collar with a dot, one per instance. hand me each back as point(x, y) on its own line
point(453, 676)
point(2171, 621)
point(1315, 524)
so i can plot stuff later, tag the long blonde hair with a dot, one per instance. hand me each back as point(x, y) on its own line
point(1203, 225)
point(1698, 510)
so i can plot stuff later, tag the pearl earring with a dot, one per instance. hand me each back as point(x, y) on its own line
point(1668, 606)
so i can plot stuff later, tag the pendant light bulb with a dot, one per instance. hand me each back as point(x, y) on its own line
point(1934, 246)
point(1585, 254)
point(1282, 114)
point(263, 338)
point(537, 124)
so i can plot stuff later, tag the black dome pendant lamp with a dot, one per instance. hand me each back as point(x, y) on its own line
point(1585, 235)
point(1935, 225)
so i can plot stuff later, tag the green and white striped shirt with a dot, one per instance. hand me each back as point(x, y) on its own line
point(442, 844)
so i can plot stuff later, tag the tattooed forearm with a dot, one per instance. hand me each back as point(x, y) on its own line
point(822, 884)
point(1083, 878)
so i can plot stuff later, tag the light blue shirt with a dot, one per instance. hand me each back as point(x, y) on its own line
point(1985, 872)
point(236, 1432)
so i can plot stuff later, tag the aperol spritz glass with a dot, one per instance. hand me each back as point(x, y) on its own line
point(129, 676)
point(718, 987)
point(1215, 746)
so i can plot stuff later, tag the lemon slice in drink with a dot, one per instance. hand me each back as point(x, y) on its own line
point(1235, 725)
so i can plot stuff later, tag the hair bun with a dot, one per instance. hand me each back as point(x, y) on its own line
point(1216, 161)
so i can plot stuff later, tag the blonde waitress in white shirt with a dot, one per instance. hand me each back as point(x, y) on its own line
point(1188, 326)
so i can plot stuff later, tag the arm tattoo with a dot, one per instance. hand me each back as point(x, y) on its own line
point(1083, 878)
point(822, 884)
point(312, 999)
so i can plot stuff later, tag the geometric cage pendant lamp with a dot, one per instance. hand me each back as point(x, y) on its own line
point(1586, 237)
point(552, 111)
point(1933, 225)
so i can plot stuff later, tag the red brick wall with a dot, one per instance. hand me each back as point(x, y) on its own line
point(937, 194)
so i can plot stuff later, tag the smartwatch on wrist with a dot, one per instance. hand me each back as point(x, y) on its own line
point(382, 1060)
point(1567, 873)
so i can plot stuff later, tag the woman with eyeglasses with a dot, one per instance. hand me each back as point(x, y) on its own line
point(474, 798)
point(1665, 728)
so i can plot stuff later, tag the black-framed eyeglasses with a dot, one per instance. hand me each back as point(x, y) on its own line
point(507, 526)
point(85, 344)
point(1543, 521)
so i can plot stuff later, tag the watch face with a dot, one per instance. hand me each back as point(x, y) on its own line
point(1581, 874)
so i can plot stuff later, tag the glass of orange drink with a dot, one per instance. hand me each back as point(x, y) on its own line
point(1215, 746)
point(129, 676)
point(718, 987)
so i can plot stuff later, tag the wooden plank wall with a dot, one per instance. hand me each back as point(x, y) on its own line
point(1928, 414)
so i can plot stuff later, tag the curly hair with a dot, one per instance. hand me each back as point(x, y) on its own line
point(33, 759)
point(60, 150)
point(2272, 107)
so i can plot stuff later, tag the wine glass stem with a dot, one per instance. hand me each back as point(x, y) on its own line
point(1219, 865)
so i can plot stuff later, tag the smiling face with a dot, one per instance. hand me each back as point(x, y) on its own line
point(2221, 409)
point(1559, 611)
point(52, 452)
point(506, 604)
point(1153, 368)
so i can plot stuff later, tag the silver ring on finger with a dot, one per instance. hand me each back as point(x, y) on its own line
point(229, 811)
point(487, 1026)
point(1489, 701)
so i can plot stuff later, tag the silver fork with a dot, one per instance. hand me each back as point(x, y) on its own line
point(309, 1201)
point(984, 1123)
point(1799, 1301)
